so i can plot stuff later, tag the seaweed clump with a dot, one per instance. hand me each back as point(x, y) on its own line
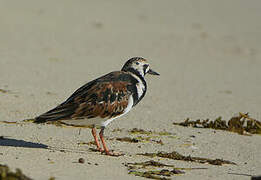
point(156, 174)
point(6, 174)
point(176, 156)
point(241, 124)
point(128, 139)
point(4, 91)
point(137, 169)
point(142, 131)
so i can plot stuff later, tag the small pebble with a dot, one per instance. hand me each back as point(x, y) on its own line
point(81, 160)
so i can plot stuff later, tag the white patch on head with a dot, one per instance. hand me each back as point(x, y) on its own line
point(128, 108)
point(138, 66)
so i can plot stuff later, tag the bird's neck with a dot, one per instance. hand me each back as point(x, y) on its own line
point(137, 73)
point(141, 85)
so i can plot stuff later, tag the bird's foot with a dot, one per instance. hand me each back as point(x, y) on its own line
point(113, 153)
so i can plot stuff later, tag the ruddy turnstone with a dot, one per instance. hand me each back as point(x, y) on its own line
point(99, 102)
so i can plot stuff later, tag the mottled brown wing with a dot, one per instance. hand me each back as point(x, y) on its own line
point(103, 99)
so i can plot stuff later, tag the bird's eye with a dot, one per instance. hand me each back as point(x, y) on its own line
point(137, 63)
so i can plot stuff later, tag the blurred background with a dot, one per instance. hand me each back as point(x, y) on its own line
point(207, 52)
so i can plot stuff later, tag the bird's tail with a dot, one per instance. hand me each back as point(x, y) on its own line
point(40, 119)
point(58, 113)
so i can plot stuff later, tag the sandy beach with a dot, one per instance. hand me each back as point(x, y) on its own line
point(207, 52)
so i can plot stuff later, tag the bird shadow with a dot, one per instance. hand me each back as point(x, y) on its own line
point(4, 141)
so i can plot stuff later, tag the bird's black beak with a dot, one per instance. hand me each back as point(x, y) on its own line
point(153, 72)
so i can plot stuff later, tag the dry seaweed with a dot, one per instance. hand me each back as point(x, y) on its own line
point(9, 122)
point(156, 174)
point(148, 163)
point(135, 169)
point(241, 124)
point(142, 131)
point(156, 170)
point(158, 141)
point(4, 91)
point(148, 174)
point(128, 139)
point(176, 156)
point(6, 174)
point(139, 131)
point(139, 139)
point(150, 135)
point(87, 143)
point(117, 130)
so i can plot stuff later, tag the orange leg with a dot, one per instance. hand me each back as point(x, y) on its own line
point(96, 139)
point(106, 150)
point(103, 143)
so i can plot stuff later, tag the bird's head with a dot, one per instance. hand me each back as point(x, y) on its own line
point(138, 65)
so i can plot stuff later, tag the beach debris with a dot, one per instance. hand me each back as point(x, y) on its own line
point(155, 170)
point(147, 163)
point(139, 131)
point(117, 130)
point(138, 169)
point(158, 141)
point(28, 120)
point(138, 139)
point(81, 160)
point(87, 143)
point(6, 174)
point(176, 156)
point(142, 131)
point(241, 124)
point(8, 122)
point(156, 174)
point(4, 91)
point(150, 136)
point(128, 139)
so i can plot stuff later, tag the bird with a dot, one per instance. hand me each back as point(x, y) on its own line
point(102, 100)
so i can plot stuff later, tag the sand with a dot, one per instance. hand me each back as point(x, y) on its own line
point(207, 52)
